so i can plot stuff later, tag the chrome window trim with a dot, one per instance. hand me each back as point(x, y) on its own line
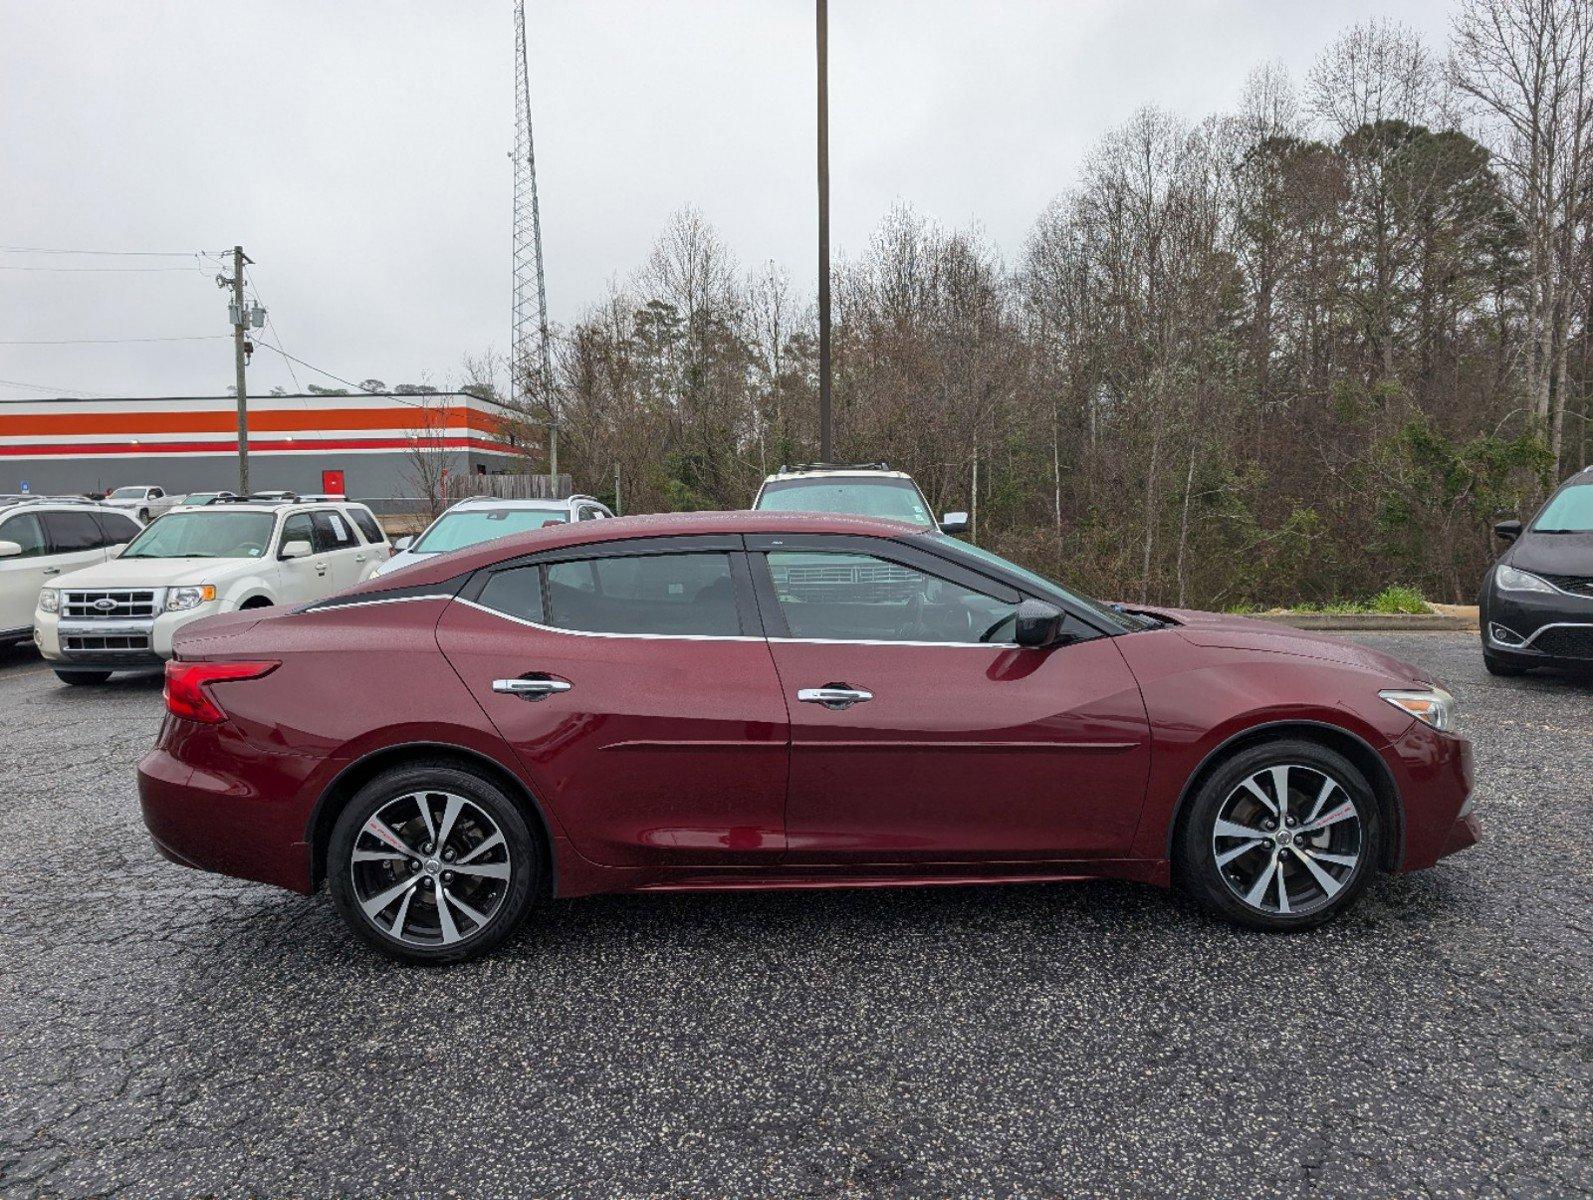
point(718, 637)
point(385, 600)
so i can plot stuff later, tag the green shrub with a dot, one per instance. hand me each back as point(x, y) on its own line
point(1398, 600)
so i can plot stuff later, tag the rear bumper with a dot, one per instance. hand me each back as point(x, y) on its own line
point(245, 820)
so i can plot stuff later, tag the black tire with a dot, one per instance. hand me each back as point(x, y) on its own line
point(143, 515)
point(1502, 667)
point(523, 854)
point(1195, 853)
point(82, 678)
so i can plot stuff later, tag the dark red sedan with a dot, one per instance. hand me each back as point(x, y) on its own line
point(748, 700)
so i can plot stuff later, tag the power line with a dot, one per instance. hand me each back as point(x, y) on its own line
point(45, 387)
point(96, 270)
point(272, 325)
point(103, 253)
point(200, 337)
point(316, 369)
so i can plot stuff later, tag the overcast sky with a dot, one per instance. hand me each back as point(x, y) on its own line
point(359, 152)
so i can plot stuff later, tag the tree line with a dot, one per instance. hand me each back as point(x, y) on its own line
point(1297, 351)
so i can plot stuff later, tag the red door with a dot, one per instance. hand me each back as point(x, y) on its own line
point(650, 749)
point(962, 751)
point(332, 483)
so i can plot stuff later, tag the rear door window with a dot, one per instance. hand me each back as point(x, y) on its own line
point(332, 531)
point(660, 594)
point(72, 532)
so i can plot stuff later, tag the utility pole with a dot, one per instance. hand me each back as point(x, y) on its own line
point(240, 349)
point(824, 231)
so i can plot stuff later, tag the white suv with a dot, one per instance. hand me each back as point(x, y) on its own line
point(485, 518)
point(197, 562)
point(862, 489)
point(39, 539)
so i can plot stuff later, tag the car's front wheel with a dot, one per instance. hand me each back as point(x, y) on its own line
point(432, 864)
point(82, 678)
point(1283, 836)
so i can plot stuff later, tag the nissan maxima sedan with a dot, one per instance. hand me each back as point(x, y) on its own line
point(1537, 600)
point(782, 700)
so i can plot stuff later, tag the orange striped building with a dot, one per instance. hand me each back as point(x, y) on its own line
point(298, 443)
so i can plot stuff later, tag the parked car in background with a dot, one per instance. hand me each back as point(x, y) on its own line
point(144, 501)
point(863, 489)
point(42, 538)
point(193, 563)
point(1536, 606)
point(483, 518)
point(670, 702)
point(200, 499)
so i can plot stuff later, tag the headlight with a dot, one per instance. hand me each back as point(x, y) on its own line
point(1508, 579)
point(1433, 705)
point(179, 599)
point(49, 600)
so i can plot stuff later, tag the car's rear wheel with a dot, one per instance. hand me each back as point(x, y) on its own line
point(1284, 835)
point(433, 864)
point(82, 678)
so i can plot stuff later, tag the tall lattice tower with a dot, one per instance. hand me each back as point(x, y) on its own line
point(531, 353)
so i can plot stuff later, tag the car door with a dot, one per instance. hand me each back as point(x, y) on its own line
point(22, 575)
point(635, 687)
point(345, 553)
point(301, 580)
point(920, 733)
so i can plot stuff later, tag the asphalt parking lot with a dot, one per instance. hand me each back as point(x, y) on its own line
point(169, 1033)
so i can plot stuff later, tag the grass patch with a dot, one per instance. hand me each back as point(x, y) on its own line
point(1389, 600)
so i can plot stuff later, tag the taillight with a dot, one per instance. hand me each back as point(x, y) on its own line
point(187, 694)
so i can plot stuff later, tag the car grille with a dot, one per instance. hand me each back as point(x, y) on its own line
point(1580, 585)
point(1566, 641)
point(125, 643)
point(118, 605)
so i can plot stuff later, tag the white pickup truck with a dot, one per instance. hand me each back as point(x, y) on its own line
point(196, 562)
point(144, 501)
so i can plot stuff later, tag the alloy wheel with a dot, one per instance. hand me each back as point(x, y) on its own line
point(430, 868)
point(1288, 839)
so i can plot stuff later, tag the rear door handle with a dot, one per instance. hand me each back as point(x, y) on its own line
point(834, 696)
point(531, 689)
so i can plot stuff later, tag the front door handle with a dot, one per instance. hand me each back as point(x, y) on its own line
point(834, 696)
point(531, 689)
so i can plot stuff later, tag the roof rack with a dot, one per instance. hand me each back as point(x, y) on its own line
point(260, 498)
point(17, 501)
point(881, 465)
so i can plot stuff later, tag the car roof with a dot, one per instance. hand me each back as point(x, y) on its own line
point(836, 472)
point(553, 537)
point(522, 502)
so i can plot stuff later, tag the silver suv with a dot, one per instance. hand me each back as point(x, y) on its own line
point(863, 489)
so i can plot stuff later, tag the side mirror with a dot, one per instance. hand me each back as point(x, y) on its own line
point(1507, 531)
point(10, 549)
point(954, 522)
point(297, 548)
point(1038, 624)
point(403, 543)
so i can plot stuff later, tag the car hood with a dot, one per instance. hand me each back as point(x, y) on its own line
point(1553, 553)
point(155, 572)
point(1224, 631)
point(401, 559)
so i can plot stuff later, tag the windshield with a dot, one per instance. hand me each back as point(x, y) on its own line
point(1043, 586)
point(205, 535)
point(127, 493)
point(1569, 512)
point(456, 530)
point(862, 496)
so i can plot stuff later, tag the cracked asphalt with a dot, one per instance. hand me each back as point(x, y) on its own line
point(169, 1033)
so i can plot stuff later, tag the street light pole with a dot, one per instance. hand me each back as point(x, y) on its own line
point(825, 440)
